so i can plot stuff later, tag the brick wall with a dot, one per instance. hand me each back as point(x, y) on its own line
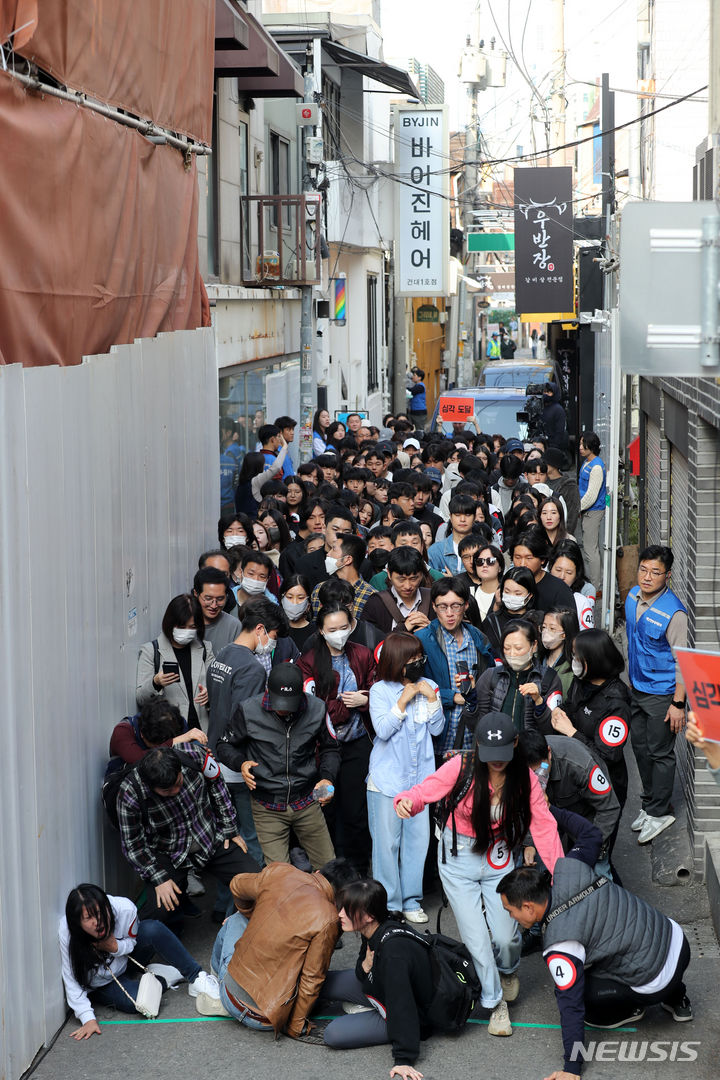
point(687, 440)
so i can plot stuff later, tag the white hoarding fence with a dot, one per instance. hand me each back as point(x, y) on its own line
point(422, 232)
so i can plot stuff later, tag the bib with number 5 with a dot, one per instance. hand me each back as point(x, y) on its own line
point(498, 855)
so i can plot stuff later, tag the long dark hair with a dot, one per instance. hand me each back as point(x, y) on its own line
point(515, 800)
point(364, 897)
point(85, 957)
point(324, 674)
point(253, 464)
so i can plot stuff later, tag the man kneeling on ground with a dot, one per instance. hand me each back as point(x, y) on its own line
point(272, 956)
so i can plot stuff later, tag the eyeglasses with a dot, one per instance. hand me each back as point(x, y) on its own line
point(486, 562)
point(449, 607)
point(212, 601)
point(651, 573)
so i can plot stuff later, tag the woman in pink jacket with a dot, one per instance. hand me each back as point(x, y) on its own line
point(490, 800)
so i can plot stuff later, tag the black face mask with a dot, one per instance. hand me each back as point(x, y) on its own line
point(415, 670)
point(273, 534)
point(379, 558)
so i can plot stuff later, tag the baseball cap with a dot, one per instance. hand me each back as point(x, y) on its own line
point(495, 736)
point(434, 474)
point(385, 447)
point(285, 688)
point(411, 442)
point(513, 444)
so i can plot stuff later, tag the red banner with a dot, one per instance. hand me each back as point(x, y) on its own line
point(701, 675)
point(456, 409)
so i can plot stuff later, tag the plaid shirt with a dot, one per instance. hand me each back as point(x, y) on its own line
point(363, 592)
point(455, 652)
point(201, 814)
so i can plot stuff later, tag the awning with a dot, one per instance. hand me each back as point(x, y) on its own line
point(371, 68)
point(245, 51)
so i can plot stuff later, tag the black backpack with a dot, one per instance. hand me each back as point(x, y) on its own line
point(455, 980)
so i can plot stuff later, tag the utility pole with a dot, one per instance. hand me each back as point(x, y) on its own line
point(306, 291)
point(557, 96)
point(607, 167)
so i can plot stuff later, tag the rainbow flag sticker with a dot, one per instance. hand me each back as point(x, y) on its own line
point(340, 300)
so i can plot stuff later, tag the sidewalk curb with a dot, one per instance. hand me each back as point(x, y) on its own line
point(712, 879)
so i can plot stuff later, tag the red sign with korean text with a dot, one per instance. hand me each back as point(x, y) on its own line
point(701, 675)
point(456, 408)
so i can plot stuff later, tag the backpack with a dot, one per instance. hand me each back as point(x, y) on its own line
point(455, 980)
point(118, 771)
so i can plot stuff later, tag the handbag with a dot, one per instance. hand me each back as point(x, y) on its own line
point(149, 992)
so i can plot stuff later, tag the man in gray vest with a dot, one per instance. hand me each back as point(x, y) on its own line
point(285, 747)
point(635, 956)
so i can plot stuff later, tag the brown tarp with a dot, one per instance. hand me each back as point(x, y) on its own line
point(98, 233)
point(153, 58)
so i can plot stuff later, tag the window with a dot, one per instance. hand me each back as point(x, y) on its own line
point(280, 173)
point(372, 333)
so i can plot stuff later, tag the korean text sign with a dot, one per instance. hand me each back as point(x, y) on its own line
point(543, 240)
point(456, 409)
point(701, 675)
point(422, 220)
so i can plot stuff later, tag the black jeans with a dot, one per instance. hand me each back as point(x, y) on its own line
point(346, 814)
point(223, 865)
point(607, 1001)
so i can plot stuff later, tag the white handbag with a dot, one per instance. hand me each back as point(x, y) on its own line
point(149, 992)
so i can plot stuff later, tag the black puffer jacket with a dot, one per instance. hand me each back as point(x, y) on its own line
point(493, 687)
point(601, 715)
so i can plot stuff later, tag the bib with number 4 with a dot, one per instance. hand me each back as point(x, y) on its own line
point(562, 970)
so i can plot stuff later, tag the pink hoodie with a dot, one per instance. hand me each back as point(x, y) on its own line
point(542, 824)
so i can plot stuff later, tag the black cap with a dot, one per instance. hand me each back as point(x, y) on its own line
point(385, 447)
point(285, 688)
point(495, 736)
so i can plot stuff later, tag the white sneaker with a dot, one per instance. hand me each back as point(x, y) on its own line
point(204, 984)
point(500, 1021)
point(653, 827)
point(210, 1006)
point(195, 886)
point(510, 986)
point(416, 916)
point(352, 1007)
point(169, 974)
point(639, 821)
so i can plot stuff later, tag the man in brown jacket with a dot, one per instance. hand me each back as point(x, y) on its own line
point(272, 956)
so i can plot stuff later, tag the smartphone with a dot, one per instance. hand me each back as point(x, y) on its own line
point(465, 685)
point(170, 667)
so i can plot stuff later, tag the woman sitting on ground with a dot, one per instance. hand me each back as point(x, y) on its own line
point(99, 934)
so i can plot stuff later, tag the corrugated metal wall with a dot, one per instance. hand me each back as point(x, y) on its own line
point(655, 482)
point(109, 490)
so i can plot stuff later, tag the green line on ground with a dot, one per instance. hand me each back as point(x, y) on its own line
point(199, 1019)
point(552, 1027)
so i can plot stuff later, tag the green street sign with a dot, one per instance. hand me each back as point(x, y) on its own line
point(483, 241)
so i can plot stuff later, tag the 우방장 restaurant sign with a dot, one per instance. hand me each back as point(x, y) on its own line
point(422, 218)
point(543, 240)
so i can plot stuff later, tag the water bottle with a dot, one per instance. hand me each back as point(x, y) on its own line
point(543, 775)
point(324, 791)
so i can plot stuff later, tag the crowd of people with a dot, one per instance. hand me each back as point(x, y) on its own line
point(404, 622)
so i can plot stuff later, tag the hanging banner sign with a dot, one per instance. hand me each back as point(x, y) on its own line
point(456, 409)
point(422, 219)
point(543, 240)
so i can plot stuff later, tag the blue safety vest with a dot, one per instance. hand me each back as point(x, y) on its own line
point(584, 480)
point(651, 665)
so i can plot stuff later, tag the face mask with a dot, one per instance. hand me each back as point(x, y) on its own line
point(234, 541)
point(184, 637)
point(379, 558)
point(415, 670)
point(337, 638)
point(266, 649)
point(274, 534)
point(294, 611)
point(331, 564)
point(252, 586)
point(513, 602)
point(578, 668)
point(551, 638)
point(517, 663)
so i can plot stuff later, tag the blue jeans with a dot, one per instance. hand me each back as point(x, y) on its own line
point(468, 880)
point(398, 851)
point(246, 827)
point(223, 949)
point(152, 937)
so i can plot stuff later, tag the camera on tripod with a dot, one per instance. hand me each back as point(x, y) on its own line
point(533, 412)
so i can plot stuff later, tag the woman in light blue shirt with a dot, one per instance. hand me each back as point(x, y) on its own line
point(406, 712)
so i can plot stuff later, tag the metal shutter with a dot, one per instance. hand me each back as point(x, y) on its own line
point(654, 482)
point(679, 528)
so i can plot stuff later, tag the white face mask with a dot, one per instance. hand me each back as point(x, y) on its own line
point(252, 586)
point(184, 637)
point(294, 611)
point(552, 638)
point(234, 541)
point(337, 638)
point(266, 648)
point(513, 602)
point(517, 663)
point(578, 668)
point(331, 564)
